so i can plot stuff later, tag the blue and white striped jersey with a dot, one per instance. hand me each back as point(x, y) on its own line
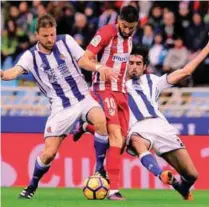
point(143, 97)
point(57, 74)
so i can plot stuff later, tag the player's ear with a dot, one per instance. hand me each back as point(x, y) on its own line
point(144, 67)
point(37, 35)
point(118, 19)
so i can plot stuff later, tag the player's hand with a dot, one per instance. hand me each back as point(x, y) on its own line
point(107, 74)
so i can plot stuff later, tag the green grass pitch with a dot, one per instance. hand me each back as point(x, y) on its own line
point(68, 197)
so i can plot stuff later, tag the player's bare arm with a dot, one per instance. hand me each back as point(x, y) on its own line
point(11, 73)
point(190, 67)
point(87, 61)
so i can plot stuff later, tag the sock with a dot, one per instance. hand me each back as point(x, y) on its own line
point(149, 161)
point(176, 185)
point(113, 167)
point(39, 170)
point(113, 192)
point(100, 145)
point(186, 184)
point(183, 186)
point(89, 128)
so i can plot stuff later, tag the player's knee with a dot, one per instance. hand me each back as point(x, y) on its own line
point(135, 139)
point(101, 125)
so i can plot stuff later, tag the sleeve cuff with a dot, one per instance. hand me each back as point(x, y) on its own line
point(25, 71)
point(166, 78)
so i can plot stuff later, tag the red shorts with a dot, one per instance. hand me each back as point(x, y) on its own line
point(115, 106)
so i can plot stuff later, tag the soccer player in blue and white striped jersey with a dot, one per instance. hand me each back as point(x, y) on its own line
point(148, 128)
point(55, 64)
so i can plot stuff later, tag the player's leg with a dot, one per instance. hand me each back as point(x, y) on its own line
point(57, 127)
point(170, 147)
point(108, 102)
point(42, 165)
point(97, 117)
point(43, 162)
point(114, 160)
point(180, 160)
point(93, 113)
point(140, 146)
point(123, 114)
point(118, 119)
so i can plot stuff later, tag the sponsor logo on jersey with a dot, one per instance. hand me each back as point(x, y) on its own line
point(96, 40)
point(121, 57)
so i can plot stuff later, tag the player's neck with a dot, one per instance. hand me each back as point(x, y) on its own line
point(43, 49)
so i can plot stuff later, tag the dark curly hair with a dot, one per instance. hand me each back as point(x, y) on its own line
point(142, 51)
point(129, 14)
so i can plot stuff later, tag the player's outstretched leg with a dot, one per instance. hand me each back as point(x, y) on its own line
point(149, 162)
point(83, 128)
point(141, 147)
point(181, 161)
point(42, 165)
point(101, 142)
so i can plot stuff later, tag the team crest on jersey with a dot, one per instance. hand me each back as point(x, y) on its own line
point(137, 87)
point(112, 112)
point(43, 65)
point(49, 129)
point(96, 40)
point(62, 57)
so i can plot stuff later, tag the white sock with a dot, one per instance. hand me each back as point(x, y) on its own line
point(144, 154)
point(41, 163)
point(85, 125)
point(113, 191)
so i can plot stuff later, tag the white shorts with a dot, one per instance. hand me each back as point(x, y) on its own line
point(162, 136)
point(62, 122)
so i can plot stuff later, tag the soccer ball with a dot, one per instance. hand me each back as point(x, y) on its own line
point(95, 188)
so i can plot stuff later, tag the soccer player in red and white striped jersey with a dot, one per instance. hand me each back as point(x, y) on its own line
point(113, 44)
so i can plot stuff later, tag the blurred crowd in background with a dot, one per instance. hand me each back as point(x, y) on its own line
point(173, 31)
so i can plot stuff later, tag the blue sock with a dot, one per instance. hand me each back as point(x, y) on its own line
point(39, 170)
point(100, 145)
point(148, 161)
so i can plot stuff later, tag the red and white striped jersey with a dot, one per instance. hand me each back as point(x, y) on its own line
point(114, 51)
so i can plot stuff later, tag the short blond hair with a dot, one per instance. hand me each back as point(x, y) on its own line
point(45, 21)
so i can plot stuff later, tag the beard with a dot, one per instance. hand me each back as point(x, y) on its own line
point(47, 47)
point(123, 35)
point(134, 76)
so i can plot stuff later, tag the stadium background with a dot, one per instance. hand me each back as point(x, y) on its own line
point(163, 27)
